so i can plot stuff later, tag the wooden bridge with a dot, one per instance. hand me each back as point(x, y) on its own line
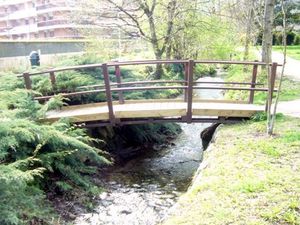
point(187, 109)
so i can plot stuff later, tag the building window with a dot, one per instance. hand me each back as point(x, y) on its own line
point(26, 21)
point(51, 33)
point(45, 34)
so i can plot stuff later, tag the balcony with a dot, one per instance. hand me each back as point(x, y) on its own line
point(4, 29)
point(52, 22)
point(51, 5)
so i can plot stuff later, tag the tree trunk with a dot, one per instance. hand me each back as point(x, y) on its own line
point(250, 18)
point(267, 31)
point(159, 68)
point(272, 120)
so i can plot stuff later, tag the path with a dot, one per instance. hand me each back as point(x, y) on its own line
point(290, 108)
point(292, 67)
point(292, 70)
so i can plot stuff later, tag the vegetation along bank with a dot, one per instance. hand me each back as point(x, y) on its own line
point(247, 177)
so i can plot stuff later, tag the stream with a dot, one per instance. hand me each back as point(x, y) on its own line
point(142, 191)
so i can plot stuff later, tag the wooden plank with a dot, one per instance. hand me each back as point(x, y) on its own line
point(27, 81)
point(93, 112)
point(52, 79)
point(226, 109)
point(129, 102)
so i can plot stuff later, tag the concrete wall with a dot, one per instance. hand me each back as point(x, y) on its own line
point(10, 63)
point(23, 48)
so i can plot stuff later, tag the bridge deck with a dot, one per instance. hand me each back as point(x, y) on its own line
point(152, 109)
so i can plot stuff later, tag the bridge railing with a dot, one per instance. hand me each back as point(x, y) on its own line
point(188, 85)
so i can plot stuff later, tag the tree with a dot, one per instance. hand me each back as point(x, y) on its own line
point(152, 20)
point(292, 14)
point(271, 121)
point(267, 31)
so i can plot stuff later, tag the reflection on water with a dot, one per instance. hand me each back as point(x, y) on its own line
point(143, 191)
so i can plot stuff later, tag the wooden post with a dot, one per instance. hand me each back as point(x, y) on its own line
point(271, 85)
point(52, 79)
point(108, 94)
point(190, 83)
point(27, 81)
point(119, 81)
point(253, 81)
point(186, 71)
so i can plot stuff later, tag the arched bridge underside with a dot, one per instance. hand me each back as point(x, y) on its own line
point(188, 108)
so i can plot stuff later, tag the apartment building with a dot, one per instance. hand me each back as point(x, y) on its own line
point(37, 19)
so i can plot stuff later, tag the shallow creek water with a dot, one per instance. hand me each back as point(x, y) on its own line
point(142, 191)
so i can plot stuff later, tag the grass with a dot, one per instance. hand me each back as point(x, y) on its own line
point(250, 178)
point(290, 89)
point(293, 51)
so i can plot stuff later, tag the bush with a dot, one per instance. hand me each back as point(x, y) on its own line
point(292, 38)
point(202, 70)
point(297, 40)
point(35, 157)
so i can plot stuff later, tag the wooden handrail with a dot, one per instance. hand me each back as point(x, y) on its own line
point(166, 82)
point(143, 62)
point(126, 89)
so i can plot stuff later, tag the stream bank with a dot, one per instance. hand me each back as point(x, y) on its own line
point(247, 177)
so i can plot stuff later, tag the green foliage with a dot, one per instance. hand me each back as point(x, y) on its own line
point(21, 200)
point(32, 155)
point(262, 116)
point(292, 38)
point(204, 37)
point(204, 70)
point(149, 133)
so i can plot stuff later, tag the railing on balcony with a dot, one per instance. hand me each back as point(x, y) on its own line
point(51, 22)
point(51, 5)
point(4, 29)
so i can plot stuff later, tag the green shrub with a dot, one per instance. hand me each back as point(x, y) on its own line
point(297, 40)
point(36, 157)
